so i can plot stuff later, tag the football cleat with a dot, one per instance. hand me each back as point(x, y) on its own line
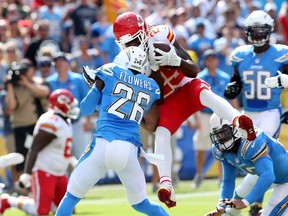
point(245, 123)
point(11, 159)
point(4, 203)
point(166, 194)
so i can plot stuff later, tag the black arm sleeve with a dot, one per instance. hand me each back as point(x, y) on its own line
point(234, 87)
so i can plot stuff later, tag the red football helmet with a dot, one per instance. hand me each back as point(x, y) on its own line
point(130, 26)
point(62, 102)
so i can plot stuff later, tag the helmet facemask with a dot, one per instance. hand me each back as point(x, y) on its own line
point(223, 138)
point(258, 35)
point(139, 39)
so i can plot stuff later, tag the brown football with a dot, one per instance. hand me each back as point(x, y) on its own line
point(166, 48)
point(162, 46)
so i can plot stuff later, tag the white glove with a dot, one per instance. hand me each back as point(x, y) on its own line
point(280, 81)
point(153, 63)
point(168, 58)
point(25, 180)
point(89, 75)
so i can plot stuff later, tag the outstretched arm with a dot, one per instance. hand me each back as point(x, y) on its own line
point(150, 119)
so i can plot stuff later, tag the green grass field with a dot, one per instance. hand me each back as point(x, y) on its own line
point(110, 200)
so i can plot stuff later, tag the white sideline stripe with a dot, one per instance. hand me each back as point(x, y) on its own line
point(123, 199)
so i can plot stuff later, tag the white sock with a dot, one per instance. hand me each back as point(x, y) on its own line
point(24, 203)
point(219, 105)
point(163, 146)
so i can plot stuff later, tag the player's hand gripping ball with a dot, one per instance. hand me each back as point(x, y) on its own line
point(163, 54)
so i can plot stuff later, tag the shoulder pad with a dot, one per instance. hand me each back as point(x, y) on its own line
point(162, 33)
point(105, 70)
point(282, 53)
point(239, 53)
point(49, 122)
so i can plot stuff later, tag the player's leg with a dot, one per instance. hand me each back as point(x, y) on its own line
point(84, 176)
point(176, 109)
point(269, 122)
point(130, 173)
point(60, 190)
point(278, 202)
point(42, 195)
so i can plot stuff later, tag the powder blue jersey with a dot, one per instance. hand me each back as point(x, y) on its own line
point(271, 168)
point(125, 99)
point(253, 70)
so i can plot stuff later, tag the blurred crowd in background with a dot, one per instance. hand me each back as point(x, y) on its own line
point(83, 30)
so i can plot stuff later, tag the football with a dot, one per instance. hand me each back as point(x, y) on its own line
point(162, 46)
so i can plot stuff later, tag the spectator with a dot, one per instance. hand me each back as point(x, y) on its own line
point(13, 54)
point(41, 39)
point(53, 15)
point(82, 16)
point(27, 100)
point(98, 30)
point(64, 78)
point(44, 67)
point(85, 56)
point(199, 42)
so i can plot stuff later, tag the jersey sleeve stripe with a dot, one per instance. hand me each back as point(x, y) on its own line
point(264, 151)
point(48, 126)
point(170, 36)
point(244, 148)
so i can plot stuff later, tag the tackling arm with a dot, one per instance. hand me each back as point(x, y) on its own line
point(264, 168)
point(90, 102)
point(150, 119)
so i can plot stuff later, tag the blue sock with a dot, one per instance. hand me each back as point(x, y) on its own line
point(150, 208)
point(67, 205)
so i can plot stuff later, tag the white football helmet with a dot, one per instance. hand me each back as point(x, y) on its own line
point(258, 27)
point(134, 58)
point(222, 133)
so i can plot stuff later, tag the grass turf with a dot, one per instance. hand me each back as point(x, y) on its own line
point(110, 200)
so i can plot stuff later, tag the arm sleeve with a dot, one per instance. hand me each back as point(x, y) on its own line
point(89, 104)
point(236, 78)
point(264, 168)
point(228, 183)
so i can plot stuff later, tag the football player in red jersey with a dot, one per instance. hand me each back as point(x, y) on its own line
point(48, 158)
point(182, 93)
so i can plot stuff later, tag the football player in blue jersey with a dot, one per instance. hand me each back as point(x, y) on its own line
point(123, 95)
point(264, 157)
point(252, 65)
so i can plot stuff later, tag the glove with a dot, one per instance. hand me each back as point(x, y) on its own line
point(153, 63)
point(231, 91)
point(168, 58)
point(284, 118)
point(25, 180)
point(280, 81)
point(228, 203)
point(216, 212)
point(89, 75)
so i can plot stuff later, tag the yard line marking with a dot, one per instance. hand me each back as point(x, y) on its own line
point(89, 201)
